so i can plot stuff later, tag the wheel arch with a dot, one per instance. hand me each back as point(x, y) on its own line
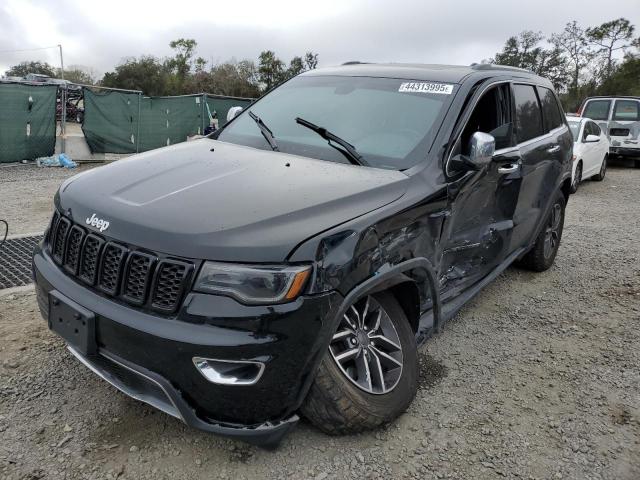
point(405, 290)
point(401, 281)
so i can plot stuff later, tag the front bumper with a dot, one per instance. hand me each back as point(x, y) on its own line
point(625, 151)
point(150, 357)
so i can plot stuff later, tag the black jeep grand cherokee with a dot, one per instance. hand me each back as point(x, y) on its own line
point(296, 258)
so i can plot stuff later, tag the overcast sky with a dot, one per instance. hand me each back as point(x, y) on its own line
point(99, 34)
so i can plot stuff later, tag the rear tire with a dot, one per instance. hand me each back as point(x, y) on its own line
point(603, 170)
point(337, 403)
point(577, 178)
point(545, 249)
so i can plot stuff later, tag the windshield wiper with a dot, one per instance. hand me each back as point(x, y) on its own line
point(347, 149)
point(266, 133)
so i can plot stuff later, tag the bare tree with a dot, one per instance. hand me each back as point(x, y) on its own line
point(572, 41)
point(610, 37)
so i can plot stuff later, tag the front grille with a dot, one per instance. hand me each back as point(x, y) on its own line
point(140, 278)
point(59, 239)
point(138, 274)
point(111, 268)
point(169, 284)
point(72, 249)
point(619, 132)
point(89, 258)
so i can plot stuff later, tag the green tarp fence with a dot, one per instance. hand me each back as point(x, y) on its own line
point(121, 122)
point(27, 121)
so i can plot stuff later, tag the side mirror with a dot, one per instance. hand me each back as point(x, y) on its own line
point(233, 113)
point(482, 146)
point(592, 139)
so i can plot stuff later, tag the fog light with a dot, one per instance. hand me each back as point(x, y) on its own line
point(229, 372)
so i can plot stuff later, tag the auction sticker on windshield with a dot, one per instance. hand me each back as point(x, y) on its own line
point(423, 87)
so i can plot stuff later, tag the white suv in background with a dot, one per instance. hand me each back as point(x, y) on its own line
point(619, 117)
point(590, 151)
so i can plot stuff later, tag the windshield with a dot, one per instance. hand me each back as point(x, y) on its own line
point(575, 129)
point(387, 127)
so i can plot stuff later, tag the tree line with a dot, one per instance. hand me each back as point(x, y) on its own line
point(580, 62)
point(185, 72)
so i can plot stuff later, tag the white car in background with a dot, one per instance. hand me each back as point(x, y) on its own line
point(590, 151)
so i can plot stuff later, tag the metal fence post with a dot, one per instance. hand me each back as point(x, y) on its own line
point(138, 131)
point(204, 111)
point(63, 106)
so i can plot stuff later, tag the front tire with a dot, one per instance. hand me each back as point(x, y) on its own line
point(577, 178)
point(545, 249)
point(603, 170)
point(369, 374)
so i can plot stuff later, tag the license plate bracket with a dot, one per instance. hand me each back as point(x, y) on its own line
point(74, 323)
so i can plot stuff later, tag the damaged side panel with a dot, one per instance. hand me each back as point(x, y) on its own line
point(373, 248)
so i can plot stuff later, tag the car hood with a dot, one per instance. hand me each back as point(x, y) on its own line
point(214, 200)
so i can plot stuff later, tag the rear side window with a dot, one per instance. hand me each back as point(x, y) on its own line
point(626, 110)
point(528, 114)
point(550, 109)
point(595, 129)
point(597, 109)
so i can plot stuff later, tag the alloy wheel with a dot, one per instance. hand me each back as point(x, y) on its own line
point(552, 232)
point(367, 349)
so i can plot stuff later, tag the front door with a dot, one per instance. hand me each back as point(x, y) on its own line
point(477, 233)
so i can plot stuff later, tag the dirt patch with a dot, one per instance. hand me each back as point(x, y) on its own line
point(431, 371)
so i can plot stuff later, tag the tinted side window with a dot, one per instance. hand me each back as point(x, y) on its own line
point(528, 115)
point(595, 129)
point(550, 110)
point(597, 109)
point(626, 110)
point(492, 115)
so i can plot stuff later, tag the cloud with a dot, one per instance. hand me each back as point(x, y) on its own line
point(101, 34)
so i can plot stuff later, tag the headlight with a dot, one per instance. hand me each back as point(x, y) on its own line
point(253, 284)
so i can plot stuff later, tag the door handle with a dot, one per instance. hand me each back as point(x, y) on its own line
point(555, 149)
point(509, 168)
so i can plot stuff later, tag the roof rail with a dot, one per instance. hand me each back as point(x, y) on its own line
point(355, 62)
point(493, 66)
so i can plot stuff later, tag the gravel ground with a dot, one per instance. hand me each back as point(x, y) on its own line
point(26, 195)
point(537, 378)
